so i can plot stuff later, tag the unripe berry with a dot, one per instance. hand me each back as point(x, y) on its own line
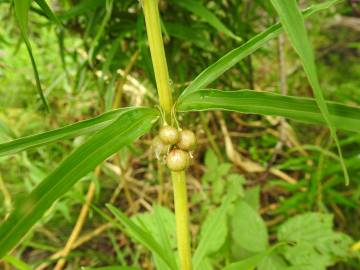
point(187, 140)
point(159, 147)
point(178, 160)
point(169, 135)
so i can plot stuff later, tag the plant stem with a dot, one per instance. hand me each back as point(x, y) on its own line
point(182, 219)
point(153, 28)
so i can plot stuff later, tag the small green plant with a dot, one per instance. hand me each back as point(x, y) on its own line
point(233, 236)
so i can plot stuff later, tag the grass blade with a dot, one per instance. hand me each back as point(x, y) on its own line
point(143, 237)
point(215, 70)
point(22, 17)
point(19, 264)
point(112, 268)
point(48, 12)
point(70, 131)
point(124, 130)
point(266, 103)
point(198, 9)
point(294, 25)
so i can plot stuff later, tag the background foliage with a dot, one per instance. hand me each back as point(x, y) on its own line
point(259, 180)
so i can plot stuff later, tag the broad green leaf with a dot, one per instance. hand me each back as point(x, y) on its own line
point(22, 8)
point(213, 233)
point(294, 25)
point(80, 128)
point(215, 70)
point(316, 244)
point(19, 264)
point(248, 230)
point(251, 262)
point(266, 103)
point(273, 262)
point(123, 131)
point(160, 224)
point(144, 237)
point(197, 8)
point(48, 12)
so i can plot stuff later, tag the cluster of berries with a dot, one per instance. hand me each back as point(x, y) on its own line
point(176, 144)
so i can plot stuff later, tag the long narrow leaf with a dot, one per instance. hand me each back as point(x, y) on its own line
point(294, 25)
point(266, 103)
point(19, 264)
point(143, 237)
point(197, 8)
point(48, 12)
point(22, 16)
point(215, 70)
point(124, 130)
point(80, 128)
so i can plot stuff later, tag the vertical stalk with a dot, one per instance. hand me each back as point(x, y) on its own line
point(182, 219)
point(153, 28)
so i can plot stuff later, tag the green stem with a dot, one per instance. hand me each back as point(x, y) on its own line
point(153, 28)
point(182, 219)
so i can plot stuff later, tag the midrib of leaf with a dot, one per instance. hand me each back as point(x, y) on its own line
point(54, 187)
point(42, 188)
point(294, 25)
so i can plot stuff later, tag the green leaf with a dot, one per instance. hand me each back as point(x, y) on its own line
point(215, 70)
point(22, 8)
point(317, 246)
point(48, 12)
point(213, 233)
point(19, 264)
point(248, 230)
point(266, 103)
point(112, 268)
point(81, 8)
point(123, 131)
point(251, 262)
point(198, 9)
point(160, 224)
point(294, 25)
point(144, 237)
point(70, 131)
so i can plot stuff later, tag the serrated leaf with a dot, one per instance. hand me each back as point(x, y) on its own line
point(268, 103)
point(123, 131)
point(144, 237)
point(294, 25)
point(248, 230)
point(317, 245)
